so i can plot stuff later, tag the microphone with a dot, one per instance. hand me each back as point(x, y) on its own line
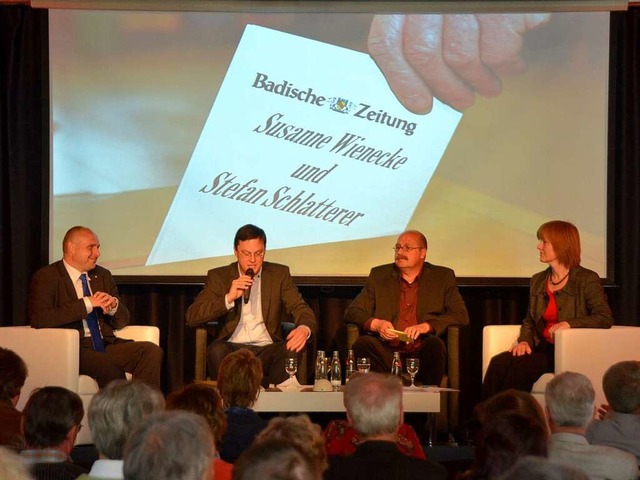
point(247, 292)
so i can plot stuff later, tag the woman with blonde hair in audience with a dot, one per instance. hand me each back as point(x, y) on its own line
point(302, 433)
point(203, 399)
point(239, 381)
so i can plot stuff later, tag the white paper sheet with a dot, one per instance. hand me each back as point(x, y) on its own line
point(306, 140)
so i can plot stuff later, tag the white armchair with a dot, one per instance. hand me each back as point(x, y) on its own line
point(589, 351)
point(52, 357)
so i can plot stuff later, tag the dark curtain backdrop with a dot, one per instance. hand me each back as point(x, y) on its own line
point(24, 155)
point(24, 184)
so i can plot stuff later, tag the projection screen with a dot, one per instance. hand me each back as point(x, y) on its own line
point(332, 131)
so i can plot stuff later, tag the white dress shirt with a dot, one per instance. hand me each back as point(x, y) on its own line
point(251, 329)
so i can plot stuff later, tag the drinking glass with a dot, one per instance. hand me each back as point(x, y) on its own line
point(364, 364)
point(291, 367)
point(413, 365)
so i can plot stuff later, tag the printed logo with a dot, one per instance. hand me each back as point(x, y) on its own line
point(341, 105)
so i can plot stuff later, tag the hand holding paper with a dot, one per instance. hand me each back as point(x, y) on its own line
point(450, 57)
point(403, 337)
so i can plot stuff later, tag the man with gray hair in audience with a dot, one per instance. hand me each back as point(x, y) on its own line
point(620, 427)
point(174, 445)
point(374, 408)
point(113, 414)
point(569, 398)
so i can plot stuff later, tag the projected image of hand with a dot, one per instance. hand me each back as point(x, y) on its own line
point(448, 56)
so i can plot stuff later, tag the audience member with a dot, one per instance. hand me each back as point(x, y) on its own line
point(620, 427)
point(170, 445)
point(203, 399)
point(374, 408)
point(11, 467)
point(510, 400)
point(239, 384)
point(77, 293)
point(503, 439)
point(303, 434)
point(569, 398)
point(536, 468)
point(507, 400)
point(113, 414)
point(51, 423)
point(274, 459)
point(13, 374)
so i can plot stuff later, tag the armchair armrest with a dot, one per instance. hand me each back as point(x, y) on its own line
point(497, 339)
point(140, 333)
point(51, 354)
point(458, 337)
point(353, 332)
point(591, 351)
point(202, 332)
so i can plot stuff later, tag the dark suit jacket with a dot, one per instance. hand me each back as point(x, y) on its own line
point(382, 460)
point(439, 301)
point(243, 424)
point(280, 298)
point(56, 470)
point(53, 302)
point(582, 303)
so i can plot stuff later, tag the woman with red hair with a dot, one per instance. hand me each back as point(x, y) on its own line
point(564, 295)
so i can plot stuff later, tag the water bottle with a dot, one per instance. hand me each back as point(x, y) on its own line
point(396, 365)
point(321, 366)
point(350, 366)
point(336, 372)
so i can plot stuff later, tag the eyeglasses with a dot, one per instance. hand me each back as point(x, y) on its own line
point(245, 254)
point(405, 248)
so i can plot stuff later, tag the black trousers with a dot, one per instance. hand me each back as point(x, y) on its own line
point(506, 371)
point(432, 355)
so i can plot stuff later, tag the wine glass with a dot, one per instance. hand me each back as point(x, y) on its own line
point(364, 364)
point(291, 367)
point(413, 365)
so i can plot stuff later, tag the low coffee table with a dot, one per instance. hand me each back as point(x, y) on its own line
point(413, 400)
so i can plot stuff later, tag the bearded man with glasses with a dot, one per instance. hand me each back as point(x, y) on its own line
point(411, 296)
point(250, 299)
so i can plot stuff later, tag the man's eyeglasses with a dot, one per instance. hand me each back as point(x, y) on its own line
point(405, 248)
point(245, 254)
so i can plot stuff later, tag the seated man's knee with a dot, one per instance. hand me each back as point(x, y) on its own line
point(365, 342)
point(435, 346)
point(154, 352)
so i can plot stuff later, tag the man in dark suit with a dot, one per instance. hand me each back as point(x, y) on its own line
point(410, 296)
point(250, 299)
point(73, 292)
point(374, 408)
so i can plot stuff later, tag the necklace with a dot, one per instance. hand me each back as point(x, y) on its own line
point(555, 284)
